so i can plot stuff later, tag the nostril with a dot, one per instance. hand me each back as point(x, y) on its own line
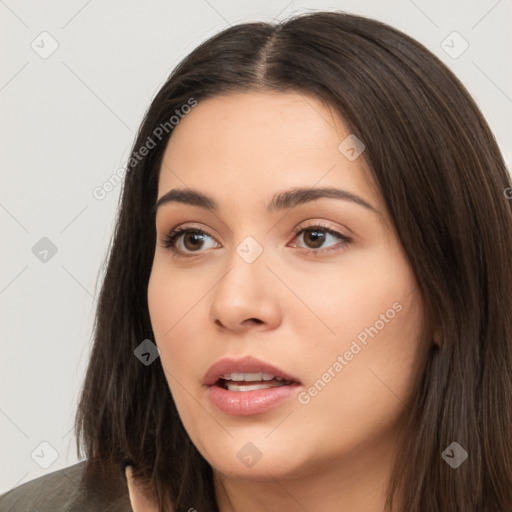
point(255, 320)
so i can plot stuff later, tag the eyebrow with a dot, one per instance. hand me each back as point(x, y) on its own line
point(281, 201)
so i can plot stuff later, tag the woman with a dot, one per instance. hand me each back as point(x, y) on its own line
point(308, 299)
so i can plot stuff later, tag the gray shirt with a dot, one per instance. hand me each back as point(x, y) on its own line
point(61, 491)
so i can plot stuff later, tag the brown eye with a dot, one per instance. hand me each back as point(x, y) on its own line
point(314, 238)
point(193, 240)
point(186, 240)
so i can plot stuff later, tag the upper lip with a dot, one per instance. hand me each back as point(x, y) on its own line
point(247, 364)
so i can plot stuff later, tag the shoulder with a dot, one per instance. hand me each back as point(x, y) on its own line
point(61, 491)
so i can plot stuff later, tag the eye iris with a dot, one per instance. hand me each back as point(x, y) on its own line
point(318, 237)
point(197, 238)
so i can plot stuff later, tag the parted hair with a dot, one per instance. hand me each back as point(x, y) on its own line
point(444, 181)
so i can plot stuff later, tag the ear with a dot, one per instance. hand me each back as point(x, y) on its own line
point(140, 502)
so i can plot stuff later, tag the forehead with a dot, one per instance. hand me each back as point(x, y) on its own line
point(256, 143)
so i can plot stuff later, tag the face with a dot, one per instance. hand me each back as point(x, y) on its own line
point(315, 290)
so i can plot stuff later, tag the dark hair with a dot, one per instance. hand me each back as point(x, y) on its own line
point(442, 177)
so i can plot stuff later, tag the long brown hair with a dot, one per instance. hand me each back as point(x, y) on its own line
point(443, 179)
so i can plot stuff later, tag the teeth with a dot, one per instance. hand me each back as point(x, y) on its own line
point(252, 387)
point(251, 377)
point(255, 377)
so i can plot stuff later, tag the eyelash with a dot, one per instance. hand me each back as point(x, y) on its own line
point(171, 237)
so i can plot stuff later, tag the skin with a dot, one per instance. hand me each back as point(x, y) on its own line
point(294, 309)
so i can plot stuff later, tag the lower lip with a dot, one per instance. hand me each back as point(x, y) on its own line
point(246, 403)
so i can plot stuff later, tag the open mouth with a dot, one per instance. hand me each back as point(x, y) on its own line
point(247, 386)
point(251, 381)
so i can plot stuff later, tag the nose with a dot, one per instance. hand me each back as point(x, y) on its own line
point(246, 297)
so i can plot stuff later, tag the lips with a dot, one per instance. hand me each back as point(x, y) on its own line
point(248, 386)
point(246, 370)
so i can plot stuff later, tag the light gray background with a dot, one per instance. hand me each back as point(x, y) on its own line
point(68, 122)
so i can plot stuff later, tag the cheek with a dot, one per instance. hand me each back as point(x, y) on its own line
point(351, 297)
point(179, 334)
point(172, 303)
point(372, 382)
point(368, 368)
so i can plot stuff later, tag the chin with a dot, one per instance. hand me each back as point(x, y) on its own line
point(260, 459)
